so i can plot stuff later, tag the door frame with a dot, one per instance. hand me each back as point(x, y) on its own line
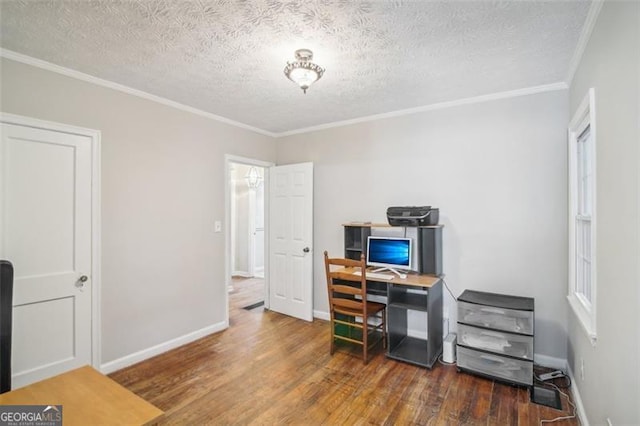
point(228, 159)
point(96, 272)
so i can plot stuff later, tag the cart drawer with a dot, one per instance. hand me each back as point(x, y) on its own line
point(497, 318)
point(512, 370)
point(515, 345)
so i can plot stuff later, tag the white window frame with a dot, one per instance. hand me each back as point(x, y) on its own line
point(583, 308)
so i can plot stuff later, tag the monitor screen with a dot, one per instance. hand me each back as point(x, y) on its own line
point(389, 252)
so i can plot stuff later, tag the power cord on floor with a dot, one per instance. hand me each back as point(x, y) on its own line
point(567, 385)
point(443, 362)
point(557, 419)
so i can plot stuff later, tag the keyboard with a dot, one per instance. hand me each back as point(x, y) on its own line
point(375, 275)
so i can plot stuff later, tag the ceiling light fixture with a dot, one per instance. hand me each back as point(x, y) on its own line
point(303, 72)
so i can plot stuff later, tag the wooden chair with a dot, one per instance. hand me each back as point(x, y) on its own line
point(349, 307)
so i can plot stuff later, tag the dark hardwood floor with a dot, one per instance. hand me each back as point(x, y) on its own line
point(270, 369)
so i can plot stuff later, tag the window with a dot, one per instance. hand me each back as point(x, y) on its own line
point(582, 223)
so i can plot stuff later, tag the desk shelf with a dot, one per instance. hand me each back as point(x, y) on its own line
point(355, 241)
point(406, 300)
point(377, 292)
point(358, 249)
point(411, 350)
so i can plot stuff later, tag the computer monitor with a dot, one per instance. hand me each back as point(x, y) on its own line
point(389, 253)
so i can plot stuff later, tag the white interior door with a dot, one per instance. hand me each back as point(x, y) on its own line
point(291, 240)
point(45, 219)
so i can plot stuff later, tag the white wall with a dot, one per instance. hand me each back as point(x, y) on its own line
point(497, 171)
point(610, 64)
point(162, 189)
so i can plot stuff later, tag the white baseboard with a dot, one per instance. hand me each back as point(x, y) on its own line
point(139, 356)
point(551, 362)
point(321, 315)
point(243, 274)
point(577, 399)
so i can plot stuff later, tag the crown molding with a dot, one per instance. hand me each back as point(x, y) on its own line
point(585, 35)
point(441, 105)
point(19, 57)
point(5, 53)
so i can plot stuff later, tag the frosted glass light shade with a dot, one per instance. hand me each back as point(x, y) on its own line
point(303, 77)
point(303, 72)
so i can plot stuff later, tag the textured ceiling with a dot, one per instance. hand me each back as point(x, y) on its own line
point(226, 57)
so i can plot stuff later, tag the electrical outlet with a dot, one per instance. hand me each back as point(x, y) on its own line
point(581, 368)
point(217, 226)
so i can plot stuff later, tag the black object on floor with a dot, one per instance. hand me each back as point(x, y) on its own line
point(546, 396)
point(255, 305)
point(6, 319)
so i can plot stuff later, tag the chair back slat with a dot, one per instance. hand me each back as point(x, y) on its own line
point(345, 262)
point(347, 303)
point(346, 276)
point(346, 289)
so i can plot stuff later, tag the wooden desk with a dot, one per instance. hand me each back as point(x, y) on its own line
point(418, 293)
point(413, 279)
point(87, 398)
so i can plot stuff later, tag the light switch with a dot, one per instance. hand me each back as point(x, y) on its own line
point(218, 226)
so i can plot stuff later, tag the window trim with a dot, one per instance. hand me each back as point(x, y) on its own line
point(584, 117)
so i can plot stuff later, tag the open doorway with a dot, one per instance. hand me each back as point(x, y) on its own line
point(247, 221)
point(246, 242)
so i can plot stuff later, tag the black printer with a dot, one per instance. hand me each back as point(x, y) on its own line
point(413, 216)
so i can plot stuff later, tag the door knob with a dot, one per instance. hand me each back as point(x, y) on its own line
point(306, 249)
point(80, 283)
